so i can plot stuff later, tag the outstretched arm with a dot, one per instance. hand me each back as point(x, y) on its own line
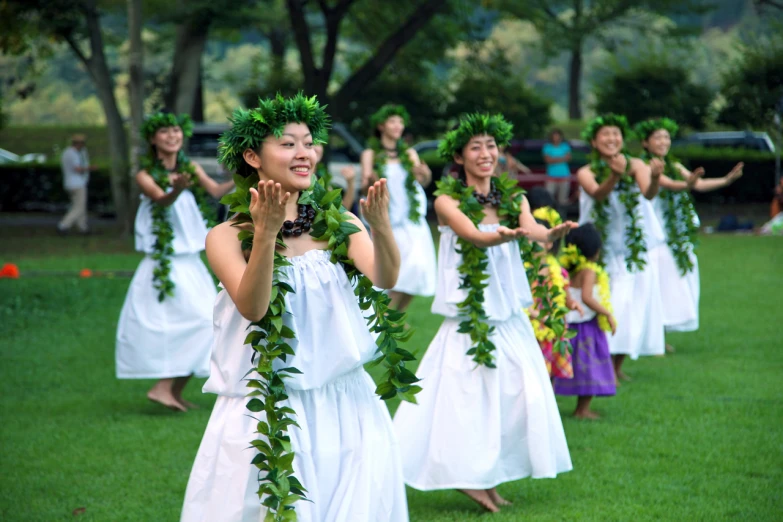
point(449, 214)
point(156, 194)
point(539, 232)
point(701, 184)
point(213, 188)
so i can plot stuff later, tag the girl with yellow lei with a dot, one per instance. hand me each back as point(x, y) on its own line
point(592, 362)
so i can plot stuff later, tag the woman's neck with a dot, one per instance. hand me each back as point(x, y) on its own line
point(168, 159)
point(388, 143)
point(482, 185)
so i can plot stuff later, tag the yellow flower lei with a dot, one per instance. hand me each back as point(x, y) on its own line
point(543, 329)
point(572, 259)
point(549, 215)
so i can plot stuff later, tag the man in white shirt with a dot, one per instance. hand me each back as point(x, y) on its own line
point(76, 174)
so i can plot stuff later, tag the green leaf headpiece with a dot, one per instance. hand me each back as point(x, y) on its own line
point(249, 127)
point(475, 124)
point(161, 119)
point(606, 120)
point(645, 129)
point(386, 112)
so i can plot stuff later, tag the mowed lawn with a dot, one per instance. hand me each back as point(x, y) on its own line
point(697, 436)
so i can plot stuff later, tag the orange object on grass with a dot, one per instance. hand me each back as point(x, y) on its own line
point(86, 272)
point(9, 270)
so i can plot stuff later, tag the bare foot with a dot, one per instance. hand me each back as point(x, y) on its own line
point(590, 415)
point(481, 497)
point(189, 405)
point(166, 400)
point(670, 348)
point(495, 497)
point(622, 376)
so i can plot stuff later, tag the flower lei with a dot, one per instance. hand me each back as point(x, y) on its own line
point(162, 250)
point(551, 300)
point(269, 340)
point(380, 157)
point(475, 260)
point(574, 262)
point(549, 215)
point(629, 197)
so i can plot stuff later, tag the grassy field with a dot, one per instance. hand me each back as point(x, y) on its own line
point(696, 436)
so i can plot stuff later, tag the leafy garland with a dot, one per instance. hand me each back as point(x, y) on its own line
point(162, 250)
point(629, 197)
point(573, 260)
point(475, 260)
point(679, 216)
point(380, 157)
point(321, 172)
point(278, 487)
point(550, 297)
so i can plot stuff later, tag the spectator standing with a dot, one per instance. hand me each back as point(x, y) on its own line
point(76, 175)
point(557, 154)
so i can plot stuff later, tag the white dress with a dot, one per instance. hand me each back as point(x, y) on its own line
point(414, 240)
point(679, 293)
point(477, 427)
point(173, 338)
point(636, 296)
point(346, 453)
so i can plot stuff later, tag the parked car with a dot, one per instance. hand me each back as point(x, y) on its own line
point(6, 156)
point(203, 146)
point(736, 140)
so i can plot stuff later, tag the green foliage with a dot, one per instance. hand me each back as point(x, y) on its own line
point(475, 124)
point(606, 120)
point(645, 129)
point(249, 127)
point(652, 88)
point(492, 86)
point(386, 112)
point(753, 87)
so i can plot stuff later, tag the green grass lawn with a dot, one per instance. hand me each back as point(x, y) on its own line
point(696, 436)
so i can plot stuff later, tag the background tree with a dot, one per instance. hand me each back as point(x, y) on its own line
point(653, 87)
point(568, 25)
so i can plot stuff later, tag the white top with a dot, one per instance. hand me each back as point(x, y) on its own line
point(508, 292)
point(398, 196)
point(190, 230)
point(660, 208)
point(332, 336)
point(618, 221)
point(573, 316)
point(70, 159)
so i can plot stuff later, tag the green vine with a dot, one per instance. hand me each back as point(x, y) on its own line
point(161, 225)
point(679, 216)
point(473, 269)
point(629, 198)
point(380, 157)
point(270, 341)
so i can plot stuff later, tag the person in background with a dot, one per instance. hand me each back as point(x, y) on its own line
point(508, 163)
point(557, 154)
point(76, 175)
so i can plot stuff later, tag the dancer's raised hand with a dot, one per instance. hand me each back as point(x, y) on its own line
point(180, 181)
point(375, 206)
point(618, 163)
point(510, 234)
point(735, 174)
point(560, 230)
point(696, 175)
point(267, 207)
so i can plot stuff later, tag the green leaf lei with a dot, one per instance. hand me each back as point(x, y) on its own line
point(380, 157)
point(473, 269)
point(321, 172)
point(161, 225)
point(628, 194)
point(679, 215)
point(278, 487)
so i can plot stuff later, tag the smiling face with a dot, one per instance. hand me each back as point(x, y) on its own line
point(479, 156)
point(288, 160)
point(168, 140)
point(658, 143)
point(608, 141)
point(392, 128)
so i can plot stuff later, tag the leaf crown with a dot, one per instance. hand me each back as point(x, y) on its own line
point(162, 119)
point(606, 120)
point(645, 129)
point(249, 127)
point(475, 124)
point(386, 112)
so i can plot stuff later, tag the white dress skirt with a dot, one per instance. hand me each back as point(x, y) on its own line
point(346, 454)
point(417, 251)
point(636, 296)
point(173, 338)
point(679, 293)
point(477, 427)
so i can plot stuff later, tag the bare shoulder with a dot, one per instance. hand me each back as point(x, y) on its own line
point(585, 170)
point(222, 235)
point(367, 153)
point(353, 218)
point(445, 202)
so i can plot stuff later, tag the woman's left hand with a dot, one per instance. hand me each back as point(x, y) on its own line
point(375, 207)
point(560, 230)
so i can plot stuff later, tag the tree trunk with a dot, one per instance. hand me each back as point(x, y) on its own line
point(574, 84)
point(104, 85)
point(136, 95)
point(188, 50)
point(198, 103)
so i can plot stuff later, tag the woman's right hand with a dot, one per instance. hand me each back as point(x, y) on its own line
point(267, 207)
point(180, 182)
point(510, 234)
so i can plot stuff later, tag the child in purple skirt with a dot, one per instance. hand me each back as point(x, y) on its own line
point(592, 363)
